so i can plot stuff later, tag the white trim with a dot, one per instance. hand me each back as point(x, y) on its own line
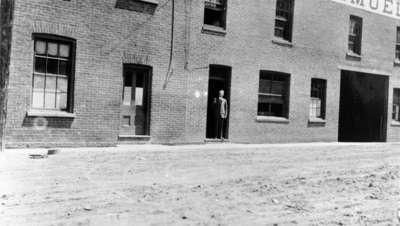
point(364, 70)
point(50, 113)
point(271, 119)
point(281, 41)
point(155, 2)
point(135, 136)
point(215, 30)
point(316, 120)
point(395, 123)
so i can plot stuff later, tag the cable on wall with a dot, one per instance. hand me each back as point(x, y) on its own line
point(171, 54)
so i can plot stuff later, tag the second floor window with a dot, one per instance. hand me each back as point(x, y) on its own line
point(284, 19)
point(52, 73)
point(273, 94)
point(355, 35)
point(215, 13)
point(398, 44)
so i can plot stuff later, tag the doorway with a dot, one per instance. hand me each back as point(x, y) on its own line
point(219, 79)
point(363, 107)
point(135, 105)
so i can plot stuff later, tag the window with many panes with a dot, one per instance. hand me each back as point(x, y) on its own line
point(52, 76)
point(398, 44)
point(318, 97)
point(215, 13)
point(396, 105)
point(355, 35)
point(284, 19)
point(273, 94)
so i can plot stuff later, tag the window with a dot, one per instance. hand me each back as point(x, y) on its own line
point(52, 76)
point(355, 31)
point(273, 94)
point(318, 97)
point(284, 19)
point(396, 105)
point(215, 13)
point(398, 44)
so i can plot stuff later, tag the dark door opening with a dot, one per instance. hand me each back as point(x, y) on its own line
point(363, 107)
point(219, 79)
point(135, 106)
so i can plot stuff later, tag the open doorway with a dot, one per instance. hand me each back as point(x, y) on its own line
point(135, 106)
point(363, 107)
point(219, 79)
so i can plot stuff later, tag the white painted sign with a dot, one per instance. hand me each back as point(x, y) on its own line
point(389, 8)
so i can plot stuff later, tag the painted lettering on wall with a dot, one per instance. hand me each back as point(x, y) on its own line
point(389, 8)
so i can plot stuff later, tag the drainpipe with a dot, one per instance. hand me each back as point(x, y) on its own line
point(6, 20)
point(171, 53)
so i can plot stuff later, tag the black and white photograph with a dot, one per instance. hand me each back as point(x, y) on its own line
point(199, 112)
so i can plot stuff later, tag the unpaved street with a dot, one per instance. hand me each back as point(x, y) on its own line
point(317, 184)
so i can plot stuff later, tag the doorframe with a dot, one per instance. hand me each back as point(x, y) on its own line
point(149, 69)
point(228, 82)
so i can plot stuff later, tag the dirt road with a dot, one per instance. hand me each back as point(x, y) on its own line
point(318, 184)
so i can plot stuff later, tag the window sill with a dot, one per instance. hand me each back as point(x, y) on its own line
point(50, 114)
point(282, 42)
point(272, 119)
point(353, 55)
point(154, 2)
point(213, 30)
point(317, 120)
point(396, 62)
point(135, 136)
point(395, 123)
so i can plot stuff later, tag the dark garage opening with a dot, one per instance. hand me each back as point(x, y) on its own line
point(363, 107)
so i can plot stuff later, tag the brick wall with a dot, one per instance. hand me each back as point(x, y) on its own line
point(319, 50)
point(108, 36)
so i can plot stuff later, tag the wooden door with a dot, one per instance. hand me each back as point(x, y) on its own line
point(128, 106)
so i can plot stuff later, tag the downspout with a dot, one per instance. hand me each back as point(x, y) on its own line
point(171, 54)
point(6, 21)
point(188, 25)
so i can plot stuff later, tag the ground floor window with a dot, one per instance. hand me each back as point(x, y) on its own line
point(317, 102)
point(273, 94)
point(52, 74)
point(396, 104)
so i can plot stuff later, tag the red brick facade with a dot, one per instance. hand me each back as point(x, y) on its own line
point(108, 37)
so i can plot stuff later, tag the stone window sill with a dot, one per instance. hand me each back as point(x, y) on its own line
point(395, 123)
point(272, 119)
point(154, 2)
point(317, 120)
point(135, 136)
point(282, 42)
point(213, 30)
point(50, 114)
point(353, 55)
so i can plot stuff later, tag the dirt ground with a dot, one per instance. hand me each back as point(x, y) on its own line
point(300, 184)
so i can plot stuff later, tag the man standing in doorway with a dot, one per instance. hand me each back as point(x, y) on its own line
point(223, 114)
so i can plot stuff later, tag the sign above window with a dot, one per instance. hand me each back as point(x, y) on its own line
point(389, 8)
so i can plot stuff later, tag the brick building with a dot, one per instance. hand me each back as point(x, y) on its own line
point(95, 73)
